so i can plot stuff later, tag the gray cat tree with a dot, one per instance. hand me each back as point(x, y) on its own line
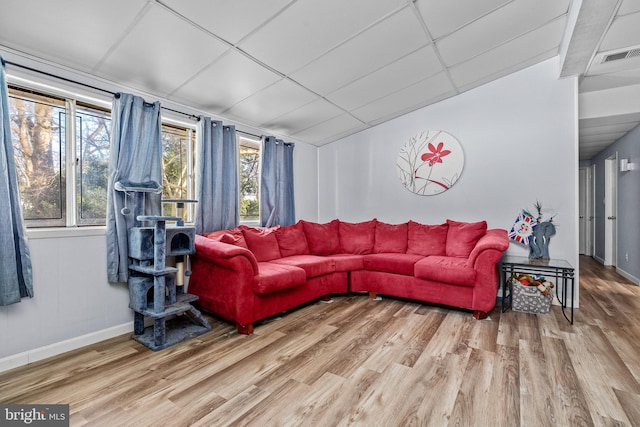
point(156, 290)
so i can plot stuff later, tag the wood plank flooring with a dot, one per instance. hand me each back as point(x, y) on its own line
point(362, 362)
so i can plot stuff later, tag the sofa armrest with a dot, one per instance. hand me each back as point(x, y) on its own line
point(219, 252)
point(222, 276)
point(495, 238)
point(484, 259)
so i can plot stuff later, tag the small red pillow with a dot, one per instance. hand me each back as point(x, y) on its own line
point(463, 236)
point(233, 236)
point(292, 240)
point(390, 238)
point(357, 238)
point(323, 239)
point(427, 240)
point(262, 242)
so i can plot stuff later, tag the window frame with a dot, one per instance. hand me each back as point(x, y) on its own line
point(254, 142)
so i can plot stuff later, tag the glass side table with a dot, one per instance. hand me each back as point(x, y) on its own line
point(558, 269)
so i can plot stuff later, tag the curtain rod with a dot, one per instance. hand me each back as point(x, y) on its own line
point(191, 116)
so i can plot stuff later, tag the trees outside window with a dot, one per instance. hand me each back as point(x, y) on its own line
point(249, 179)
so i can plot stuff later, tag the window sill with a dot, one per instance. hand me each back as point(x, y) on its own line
point(52, 233)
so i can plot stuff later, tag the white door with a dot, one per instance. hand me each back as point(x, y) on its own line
point(591, 208)
point(610, 203)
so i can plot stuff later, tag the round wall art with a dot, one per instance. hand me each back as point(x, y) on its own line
point(430, 163)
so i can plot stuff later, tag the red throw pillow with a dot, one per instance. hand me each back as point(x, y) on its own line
point(427, 240)
point(233, 236)
point(262, 242)
point(463, 236)
point(390, 238)
point(292, 240)
point(357, 238)
point(323, 239)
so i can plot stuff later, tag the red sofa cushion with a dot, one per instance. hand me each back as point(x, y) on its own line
point(292, 240)
point(357, 238)
point(233, 236)
point(323, 239)
point(392, 263)
point(463, 236)
point(445, 269)
point(262, 242)
point(313, 265)
point(390, 238)
point(277, 277)
point(348, 262)
point(427, 240)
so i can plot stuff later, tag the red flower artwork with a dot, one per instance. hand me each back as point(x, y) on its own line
point(436, 154)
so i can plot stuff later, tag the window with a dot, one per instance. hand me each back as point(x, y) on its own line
point(177, 169)
point(63, 165)
point(249, 149)
point(93, 133)
point(38, 135)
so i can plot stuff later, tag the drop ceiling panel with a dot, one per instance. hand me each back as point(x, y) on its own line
point(271, 102)
point(231, 20)
point(516, 54)
point(410, 98)
point(309, 28)
point(304, 117)
point(160, 53)
point(500, 26)
point(607, 129)
point(602, 137)
point(229, 80)
point(331, 129)
point(610, 120)
point(391, 78)
point(623, 32)
point(444, 17)
point(629, 6)
point(73, 33)
point(371, 50)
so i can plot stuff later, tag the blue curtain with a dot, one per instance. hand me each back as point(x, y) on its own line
point(216, 177)
point(276, 184)
point(16, 278)
point(135, 156)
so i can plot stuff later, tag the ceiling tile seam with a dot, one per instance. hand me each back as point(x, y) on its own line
point(436, 49)
point(349, 38)
point(124, 35)
point(477, 18)
point(325, 121)
point(396, 91)
point(265, 22)
point(375, 71)
point(509, 70)
point(440, 97)
point(477, 54)
point(200, 71)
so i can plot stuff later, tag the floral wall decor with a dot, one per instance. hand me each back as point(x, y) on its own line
point(430, 163)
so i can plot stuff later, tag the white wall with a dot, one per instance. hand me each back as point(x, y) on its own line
point(73, 304)
point(519, 136)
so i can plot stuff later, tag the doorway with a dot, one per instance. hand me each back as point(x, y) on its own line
point(586, 208)
point(610, 207)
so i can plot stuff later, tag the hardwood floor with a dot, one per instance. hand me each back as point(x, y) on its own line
point(358, 361)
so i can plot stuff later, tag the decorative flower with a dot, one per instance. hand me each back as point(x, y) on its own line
point(436, 154)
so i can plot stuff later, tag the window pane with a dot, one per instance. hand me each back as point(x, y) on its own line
point(37, 132)
point(93, 132)
point(176, 168)
point(249, 180)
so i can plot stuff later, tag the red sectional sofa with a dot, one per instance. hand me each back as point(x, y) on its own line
point(247, 274)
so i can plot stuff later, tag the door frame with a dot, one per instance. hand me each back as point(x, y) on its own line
point(610, 209)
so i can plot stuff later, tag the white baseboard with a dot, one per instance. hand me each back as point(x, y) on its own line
point(628, 276)
point(54, 349)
